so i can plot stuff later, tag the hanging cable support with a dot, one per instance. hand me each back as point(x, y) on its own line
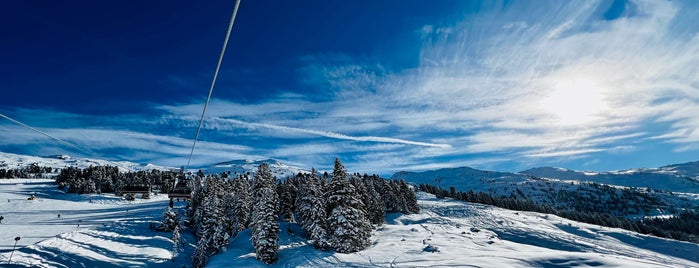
point(213, 81)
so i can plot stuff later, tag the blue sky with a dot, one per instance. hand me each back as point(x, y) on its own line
point(384, 85)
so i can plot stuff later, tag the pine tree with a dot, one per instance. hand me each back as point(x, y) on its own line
point(201, 254)
point(175, 240)
point(376, 209)
point(265, 226)
point(389, 196)
point(287, 192)
point(348, 229)
point(243, 201)
point(169, 221)
point(310, 210)
point(409, 197)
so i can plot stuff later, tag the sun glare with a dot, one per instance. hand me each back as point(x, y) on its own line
point(575, 101)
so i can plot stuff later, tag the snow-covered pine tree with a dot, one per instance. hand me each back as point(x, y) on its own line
point(175, 241)
point(376, 209)
point(401, 201)
point(213, 225)
point(201, 254)
point(287, 196)
point(242, 202)
point(348, 228)
point(409, 197)
point(265, 226)
point(389, 196)
point(197, 196)
point(310, 210)
point(169, 221)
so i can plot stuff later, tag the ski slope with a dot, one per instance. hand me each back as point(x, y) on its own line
point(92, 230)
point(115, 233)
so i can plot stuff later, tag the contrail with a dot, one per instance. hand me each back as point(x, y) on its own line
point(334, 135)
point(47, 135)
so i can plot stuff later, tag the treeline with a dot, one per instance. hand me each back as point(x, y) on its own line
point(681, 227)
point(108, 179)
point(595, 197)
point(31, 171)
point(337, 211)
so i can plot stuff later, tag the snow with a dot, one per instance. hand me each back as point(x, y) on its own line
point(10, 161)
point(676, 178)
point(463, 235)
point(112, 232)
point(504, 239)
point(279, 169)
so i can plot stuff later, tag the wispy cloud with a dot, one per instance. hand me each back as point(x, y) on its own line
point(333, 135)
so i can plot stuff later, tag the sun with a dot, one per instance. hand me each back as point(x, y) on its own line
point(575, 101)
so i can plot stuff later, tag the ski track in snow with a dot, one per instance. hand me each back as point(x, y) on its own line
point(465, 235)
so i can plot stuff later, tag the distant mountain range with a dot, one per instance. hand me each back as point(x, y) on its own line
point(12, 161)
point(628, 193)
point(683, 178)
point(676, 178)
point(279, 169)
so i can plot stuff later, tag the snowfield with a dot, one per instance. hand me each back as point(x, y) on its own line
point(473, 235)
point(446, 233)
point(112, 232)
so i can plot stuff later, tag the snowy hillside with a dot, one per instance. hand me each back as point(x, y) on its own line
point(13, 161)
point(690, 169)
point(683, 178)
point(569, 194)
point(454, 234)
point(446, 233)
point(279, 169)
point(70, 230)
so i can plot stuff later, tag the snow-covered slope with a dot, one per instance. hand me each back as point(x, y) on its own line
point(13, 161)
point(562, 194)
point(446, 233)
point(683, 178)
point(449, 233)
point(279, 169)
point(91, 231)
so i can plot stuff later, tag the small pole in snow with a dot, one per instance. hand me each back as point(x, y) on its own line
point(13, 249)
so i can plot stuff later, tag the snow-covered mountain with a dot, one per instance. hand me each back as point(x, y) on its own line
point(279, 169)
point(572, 190)
point(14, 161)
point(683, 178)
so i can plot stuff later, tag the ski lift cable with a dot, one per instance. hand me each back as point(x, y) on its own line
point(47, 135)
point(86, 151)
point(213, 81)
